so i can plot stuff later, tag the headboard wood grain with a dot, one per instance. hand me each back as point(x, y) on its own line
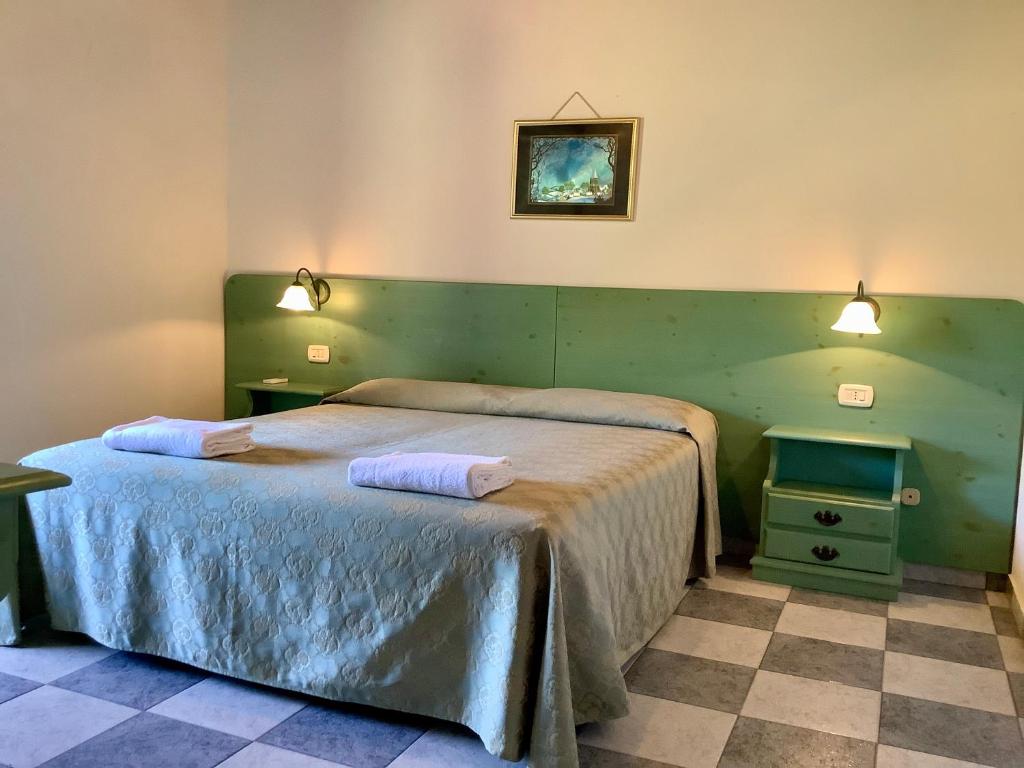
point(947, 371)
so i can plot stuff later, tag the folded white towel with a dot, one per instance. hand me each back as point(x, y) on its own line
point(446, 474)
point(181, 437)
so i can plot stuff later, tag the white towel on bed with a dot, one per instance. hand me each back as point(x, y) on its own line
point(181, 437)
point(445, 474)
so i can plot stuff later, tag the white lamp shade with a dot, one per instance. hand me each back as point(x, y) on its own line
point(858, 317)
point(297, 299)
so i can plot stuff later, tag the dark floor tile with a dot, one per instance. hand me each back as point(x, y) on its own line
point(946, 643)
point(1003, 619)
point(132, 679)
point(942, 729)
point(12, 687)
point(747, 611)
point(691, 680)
point(152, 741)
point(995, 582)
point(1017, 689)
point(773, 745)
point(355, 736)
point(839, 602)
point(948, 591)
point(823, 660)
point(592, 757)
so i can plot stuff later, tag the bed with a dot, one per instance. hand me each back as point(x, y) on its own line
point(511, 615)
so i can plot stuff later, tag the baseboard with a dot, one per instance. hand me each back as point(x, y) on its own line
point(941, 574)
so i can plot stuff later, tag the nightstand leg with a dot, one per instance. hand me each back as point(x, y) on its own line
point(10, 618)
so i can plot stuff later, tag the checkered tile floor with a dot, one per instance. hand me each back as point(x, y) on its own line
point(746, 674)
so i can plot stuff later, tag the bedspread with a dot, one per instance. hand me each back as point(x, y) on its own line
point(511, 614)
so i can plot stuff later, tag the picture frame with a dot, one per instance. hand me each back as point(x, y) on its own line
point(575, 169)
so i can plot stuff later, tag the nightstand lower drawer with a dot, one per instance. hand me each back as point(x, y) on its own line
point(834, 551)
point(831, 516)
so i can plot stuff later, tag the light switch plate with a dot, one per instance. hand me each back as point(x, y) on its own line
point(318, 353)
point(856, 395)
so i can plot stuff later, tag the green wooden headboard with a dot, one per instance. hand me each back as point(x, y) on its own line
point(947, 372)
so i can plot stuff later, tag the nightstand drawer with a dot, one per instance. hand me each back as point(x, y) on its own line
point(828, 516)
point(826, 550)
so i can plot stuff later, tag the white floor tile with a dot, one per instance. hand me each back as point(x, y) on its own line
point(835, 626)
point(942, 612)
point(444, 748)
point(230, 707)
point(998, 599)
point(45, 663)
point(829, 707)
point(948, 682)
point(43, 723)
point(265, 756)
point(1013, 653)
point(713, 640)
point(739, 580)
point(668, 731)
point(894, 757)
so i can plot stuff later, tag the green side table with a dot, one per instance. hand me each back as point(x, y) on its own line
point(15, 482)
point(274, 398)
point(830, 511)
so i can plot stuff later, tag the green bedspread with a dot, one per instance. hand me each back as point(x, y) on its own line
point(511, 615)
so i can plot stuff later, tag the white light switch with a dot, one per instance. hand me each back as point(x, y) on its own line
point(318, 353)
point(856, 395)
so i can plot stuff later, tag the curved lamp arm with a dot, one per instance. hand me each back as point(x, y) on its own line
point(321, 288)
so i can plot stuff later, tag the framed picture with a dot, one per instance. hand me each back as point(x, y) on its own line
point(576, 169)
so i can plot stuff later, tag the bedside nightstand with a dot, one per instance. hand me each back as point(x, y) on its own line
point(15, 482)
point(274, 398)
point(830, 511)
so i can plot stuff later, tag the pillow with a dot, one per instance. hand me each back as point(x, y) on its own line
point(450, 396)
point(562, 404)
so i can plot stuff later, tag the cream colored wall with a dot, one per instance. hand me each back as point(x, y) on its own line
point(787, 145)
point(112, 215)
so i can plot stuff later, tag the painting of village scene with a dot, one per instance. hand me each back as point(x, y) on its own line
point(572, 169)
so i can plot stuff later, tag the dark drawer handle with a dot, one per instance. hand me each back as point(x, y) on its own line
point(828, 518)
point(825, 553)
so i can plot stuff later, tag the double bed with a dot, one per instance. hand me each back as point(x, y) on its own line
point(512, 615)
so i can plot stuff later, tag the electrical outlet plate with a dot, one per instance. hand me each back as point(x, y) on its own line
point(856, 395)
point(910, 497)
point(318, 353)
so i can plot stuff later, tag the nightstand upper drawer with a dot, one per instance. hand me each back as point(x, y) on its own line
point(833, 551)
point(831, 516)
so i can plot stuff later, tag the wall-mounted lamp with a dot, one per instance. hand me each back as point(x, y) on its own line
point(296, 296)
point(860, 315)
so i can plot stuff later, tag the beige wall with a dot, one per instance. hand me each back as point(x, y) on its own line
point(793, 144)
point(112, 220)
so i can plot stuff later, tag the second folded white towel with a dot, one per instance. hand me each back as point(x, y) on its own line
point(446, 474)
point(181, 437)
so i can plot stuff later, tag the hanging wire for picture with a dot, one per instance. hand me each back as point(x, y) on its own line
point(582, 98)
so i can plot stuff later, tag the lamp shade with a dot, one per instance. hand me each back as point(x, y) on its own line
point(857, 317)
point(296, 298)
point(860, 315)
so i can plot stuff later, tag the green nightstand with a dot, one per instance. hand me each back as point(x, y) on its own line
point(274, 398)
point(830, 511)
point(15, 482)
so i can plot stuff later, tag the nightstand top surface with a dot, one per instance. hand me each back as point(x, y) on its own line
point(293, 388)
point(840, 437)
point(16, 480)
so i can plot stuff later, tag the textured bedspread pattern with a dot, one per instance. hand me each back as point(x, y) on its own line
point(511, 614)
